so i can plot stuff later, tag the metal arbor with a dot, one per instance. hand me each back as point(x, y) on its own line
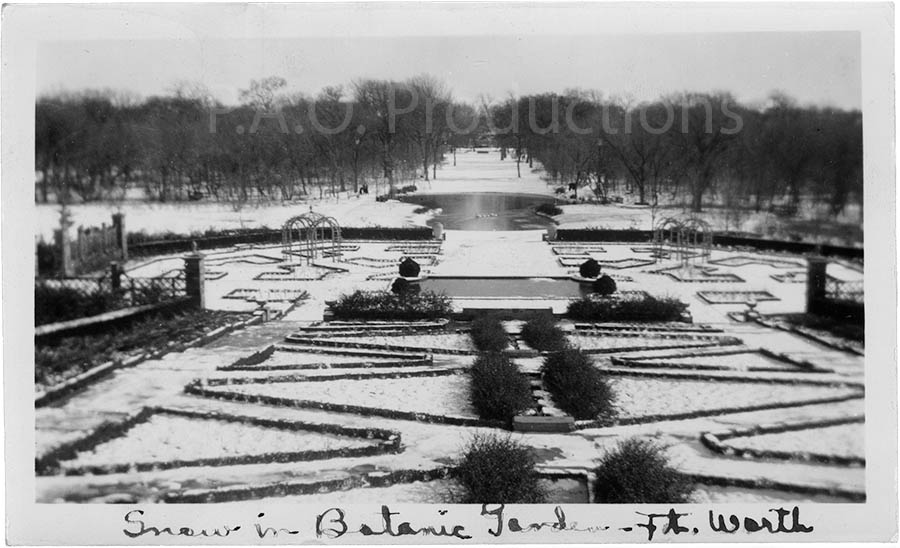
point(311, 230)
point(691, 238)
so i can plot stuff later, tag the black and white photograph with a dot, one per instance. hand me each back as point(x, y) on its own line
point(446, 273)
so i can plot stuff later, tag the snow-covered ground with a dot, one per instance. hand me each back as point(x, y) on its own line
point(637, 397)
point(846, 440)
point(442, 395)
point(167, 438)
point(186, 218)
point(426, 445)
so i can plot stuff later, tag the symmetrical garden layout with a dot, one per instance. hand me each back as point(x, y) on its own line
point(299, 409)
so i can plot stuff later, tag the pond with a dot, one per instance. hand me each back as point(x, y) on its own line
point(484, 211)
point(548, 288)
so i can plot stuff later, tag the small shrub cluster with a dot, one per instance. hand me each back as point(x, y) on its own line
point(541, 333)
point(638, 472)
point(384, 305)
point(499, 391)
point(58, 304)
point(406, 189)
point(548, 209)
point(488, 334)
point(642, 309)
point(589, 269)
point(605, 285)
point(578, 388)
point(409, 268)
point(497, 469)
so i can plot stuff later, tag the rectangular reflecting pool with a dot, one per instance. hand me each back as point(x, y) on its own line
point(548, 288)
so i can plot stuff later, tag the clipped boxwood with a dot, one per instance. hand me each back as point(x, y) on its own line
point(589, 269)
point(577, 387)
point(641, 309)
point(605, 285)
point(638, 471)
point(541, 333)
point(402, 285)
point(499, 391)
point(384, 305)
point(409, 268)
point(488, 334)
point(497, 469)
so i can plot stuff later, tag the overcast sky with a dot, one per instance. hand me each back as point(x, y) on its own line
point(814, 67)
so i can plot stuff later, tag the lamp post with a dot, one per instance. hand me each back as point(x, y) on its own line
point(600, 184)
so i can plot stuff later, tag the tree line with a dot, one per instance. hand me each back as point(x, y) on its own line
point(274, 145)
point(694, 148)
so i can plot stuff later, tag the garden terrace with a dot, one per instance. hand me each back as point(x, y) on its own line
point(332, 373)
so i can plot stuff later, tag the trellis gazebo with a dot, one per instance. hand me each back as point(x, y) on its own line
point(312, 231)
point(691, 238)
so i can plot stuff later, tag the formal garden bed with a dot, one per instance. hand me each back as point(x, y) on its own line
point(825, 327)
point(271, 360)
point(431, 342)
point(747, 260)
point(67, 357)
point(838, 441)
point(644, 399)
point(698, 275)
point(163, 438)
point(617, 341)
point(735, 297)
point(579, 250)
point(268, 294)
point(724, 360)
point(440, 396)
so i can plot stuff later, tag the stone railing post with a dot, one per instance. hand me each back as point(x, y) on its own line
point(815, 282)
point(438, 231)
point(551, 233)
point(118, 220)
point(195, 278)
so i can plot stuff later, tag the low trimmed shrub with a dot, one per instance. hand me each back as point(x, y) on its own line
point(548, 209)
point(488, 334)
point(541, 333)
point(642, 309)
point(409, 268)
point(384, 305)
point(497, 469)
point(577, 387)
point(604, 285)
point(499, 390)
point(589, 269)
point(638, 471)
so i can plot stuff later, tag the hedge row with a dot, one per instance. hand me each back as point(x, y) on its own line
point(725, 240)
point(577, 387)
point(140, 243)
point(499, 391)
point(384, 305)
point(643, 309)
